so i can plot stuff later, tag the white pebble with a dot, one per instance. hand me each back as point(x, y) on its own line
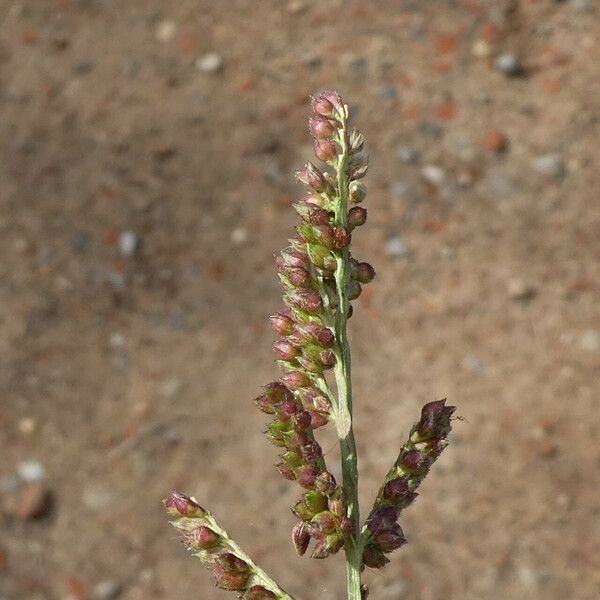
point(165, 31)
point(31, 470)
point(509, 64)
point(239, 235)
point(433, 174)
point(106, 590)
point(550, 165)
point(210, 63)
point(128, 243)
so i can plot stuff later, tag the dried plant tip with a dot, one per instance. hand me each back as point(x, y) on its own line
point(321, 127)
point(364, 272)
point(357, 216)
point(435, 421)
point(357, 192)
point(180, 505)
point(357, 140)
point(325, 150)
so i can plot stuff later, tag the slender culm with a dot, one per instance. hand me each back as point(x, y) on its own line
point(320, 279)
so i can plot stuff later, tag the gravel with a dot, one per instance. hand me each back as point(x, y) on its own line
point(31, 470)
point(106, 590)
point(210, 63)
point(128, 243)
point(550, 165)
point(509, 64)
point(433, 174)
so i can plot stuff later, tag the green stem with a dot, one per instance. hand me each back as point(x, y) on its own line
point(343, 377)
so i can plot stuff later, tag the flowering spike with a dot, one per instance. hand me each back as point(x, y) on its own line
point(426, 441)
point(319, 279)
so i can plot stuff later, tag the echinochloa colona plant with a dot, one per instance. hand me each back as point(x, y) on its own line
point(320, 279)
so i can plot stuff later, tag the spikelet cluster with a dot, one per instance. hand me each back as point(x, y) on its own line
point(300, 402)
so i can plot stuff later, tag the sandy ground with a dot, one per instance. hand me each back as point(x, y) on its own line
point(129, 373)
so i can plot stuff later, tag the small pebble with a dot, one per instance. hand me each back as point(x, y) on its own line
point(550, 165)
point(27, 426)
point(106, 590)
point(117, 340)
point(210, 63)
point(509, 64)
point(128, 243)
point(407, 155)
point(521, 291)
point(433, 174)
point(590, 340)
point(165, 31)
point(481, 49)
point(396, 248)
point(239, 236)
point(34, 502)
point(494, 140)
point(297, 6)
point(31, 470)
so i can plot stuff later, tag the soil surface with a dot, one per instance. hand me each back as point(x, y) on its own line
point(146, 160)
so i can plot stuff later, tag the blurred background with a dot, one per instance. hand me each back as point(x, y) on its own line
point(146, 159)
